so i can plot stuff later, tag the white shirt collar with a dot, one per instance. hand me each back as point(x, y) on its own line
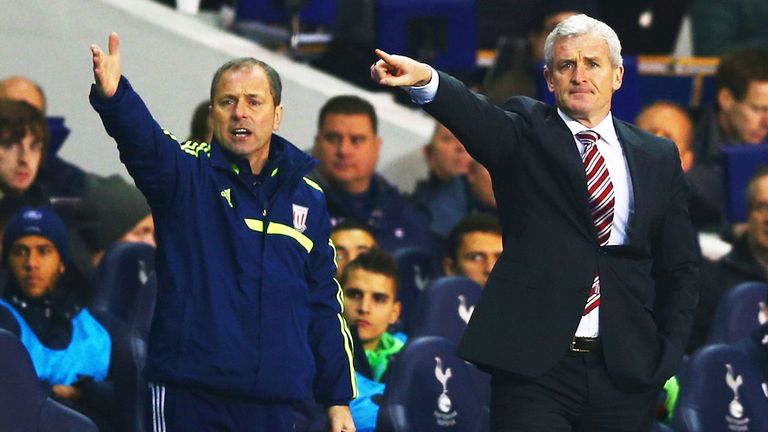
point(605, 128)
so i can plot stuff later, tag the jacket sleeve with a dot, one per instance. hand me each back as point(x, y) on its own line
point(151, 154)
point(329, 335)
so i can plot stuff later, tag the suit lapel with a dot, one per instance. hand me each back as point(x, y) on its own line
point(638, 165)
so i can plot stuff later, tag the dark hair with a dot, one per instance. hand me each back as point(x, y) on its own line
point(17, 118)
point(740, 67)
point(480, 222)
point(275, 85)
point(374, 260)
point(350, 224)
point(199, 126)
point(749, 192)
point(348, 104)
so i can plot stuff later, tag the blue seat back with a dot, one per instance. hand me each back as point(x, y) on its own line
point(721, 391)
point(415, 268)
point(445, 307)
point(738, 313)
point(431, 389)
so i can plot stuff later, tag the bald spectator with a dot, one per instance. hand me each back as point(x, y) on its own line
point(57, 176)
point(444, 195)
point(474, 246)
point(348, 146)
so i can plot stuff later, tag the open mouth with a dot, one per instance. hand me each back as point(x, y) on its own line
point(241, 133)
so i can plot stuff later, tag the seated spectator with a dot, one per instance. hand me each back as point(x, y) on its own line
point(370, 307)
point(444, 195)
point(23, 142)
point(474, 246)
point(351, 238)
point(348, 146)
point(58, 177)
point(69, 348)
point(748, 261)
point(670, 120)
point(739, 116)
point(483, 199)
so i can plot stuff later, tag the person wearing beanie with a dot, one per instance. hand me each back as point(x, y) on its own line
point(69, 348)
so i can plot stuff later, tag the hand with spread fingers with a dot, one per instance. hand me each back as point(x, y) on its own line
point(398, 71)
point(107, 68)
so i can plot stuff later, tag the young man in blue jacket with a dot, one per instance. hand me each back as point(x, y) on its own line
point(249, 315)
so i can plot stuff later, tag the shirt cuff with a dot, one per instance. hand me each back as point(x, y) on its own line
point(425, 94)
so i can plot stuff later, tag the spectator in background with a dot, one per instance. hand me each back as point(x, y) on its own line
point(201, 128)
point(670, 120)
point(351, 238)
point(481, 187)
point(371, 305)
point(474, 246)
point(748, 261)
point(739, 116)
point(69, 348)
point(444, 195)
point(23, 142)
point(57, 176)
point(723, 25)
point(348, 147)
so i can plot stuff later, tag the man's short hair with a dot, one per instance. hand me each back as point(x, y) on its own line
point(348, 104)
point(350, 224)
point(480, 222)
point(275, 85)
point(17, 118)
point(582, 25)
point(374, 260)
point(749, 193)
point(740, 67)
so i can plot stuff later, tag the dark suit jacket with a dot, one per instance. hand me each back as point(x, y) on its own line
point(535, 296)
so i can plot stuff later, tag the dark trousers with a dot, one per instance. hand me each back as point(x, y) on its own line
point(576, 395)
point(182, 409)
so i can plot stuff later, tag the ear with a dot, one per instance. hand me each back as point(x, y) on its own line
point(725, 99)
point(618, 77)
point(548, 78)
point(278, 118)
point(62, 268)
point(686, 160)
point(449, 267)
point(395, 314)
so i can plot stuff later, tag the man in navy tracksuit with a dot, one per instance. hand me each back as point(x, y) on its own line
point(248, 314)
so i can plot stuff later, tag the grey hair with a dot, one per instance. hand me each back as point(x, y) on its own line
point(275, 85)
point(581, 25)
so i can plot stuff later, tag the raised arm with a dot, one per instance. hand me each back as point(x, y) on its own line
point(399, 71)
point(107, 68)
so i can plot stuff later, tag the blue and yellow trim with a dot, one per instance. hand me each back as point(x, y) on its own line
point(280, 229)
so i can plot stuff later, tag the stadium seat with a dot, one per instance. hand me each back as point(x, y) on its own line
point(738, 313)
point(431, 389)
point(415, 267)
point(445, 307)
point(24, 406)
point(721, 391)
point(129, 353)
point(124, 270)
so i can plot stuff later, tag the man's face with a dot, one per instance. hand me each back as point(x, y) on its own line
point(446, 157)
point(548, 24)
point(746, 120)
point(348, 150)
point(19, 162)
point(349, 244)
point(142, 232)
point(369, 303)
point(477, 254)
point(668, 122)
point(244, 114)
point(757, 219)
point(35, 264)
point(582, 78)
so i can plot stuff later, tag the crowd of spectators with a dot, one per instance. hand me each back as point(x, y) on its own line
point(57, 220)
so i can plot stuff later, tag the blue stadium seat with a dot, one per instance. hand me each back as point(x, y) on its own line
point(738, 312)
point(739, 164)
point(431, 389)
point(415, 268)
point(123, 271)
point(444, 308)
point(721, 391)
point(24, 407)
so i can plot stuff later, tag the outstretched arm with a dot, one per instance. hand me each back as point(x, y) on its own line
point(399, 71)
point(107, 68)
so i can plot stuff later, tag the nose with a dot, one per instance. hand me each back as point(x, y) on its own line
point(490, 264)
point(365, 306)
point(344, 147)
point(579, 73)
point(239, 110)
point(32, 261)
point(25, 155)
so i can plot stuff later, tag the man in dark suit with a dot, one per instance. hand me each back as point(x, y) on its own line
point(588, 309)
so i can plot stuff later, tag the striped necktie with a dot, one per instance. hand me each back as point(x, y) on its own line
point(601, 201)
